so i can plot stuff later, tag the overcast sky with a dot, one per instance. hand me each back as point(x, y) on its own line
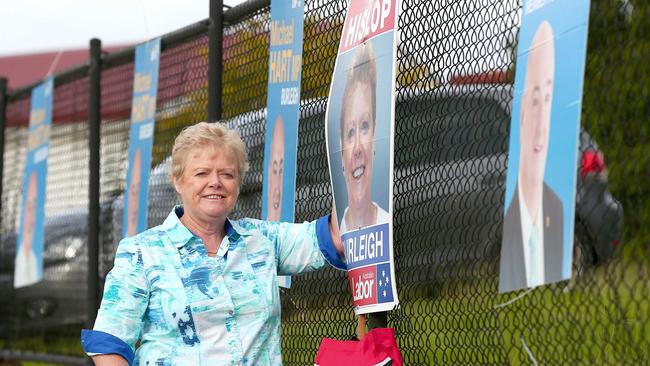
point(30, 26)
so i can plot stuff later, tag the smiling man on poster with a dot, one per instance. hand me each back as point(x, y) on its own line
point(534, 217)
point(283, 113)
point(540, 190)
point(28, 265)
point(143, 119)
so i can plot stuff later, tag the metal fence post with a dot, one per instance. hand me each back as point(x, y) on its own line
point(94, 120)
point(215, 62)
point(3, 123)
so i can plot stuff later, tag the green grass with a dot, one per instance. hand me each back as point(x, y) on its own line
point(599, 317)
point(59, 343)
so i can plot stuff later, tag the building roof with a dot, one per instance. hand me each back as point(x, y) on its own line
point(23, 70)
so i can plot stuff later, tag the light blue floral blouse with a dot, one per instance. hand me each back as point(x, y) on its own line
point(187, 308)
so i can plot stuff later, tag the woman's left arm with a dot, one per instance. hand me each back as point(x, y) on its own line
point(305, 247)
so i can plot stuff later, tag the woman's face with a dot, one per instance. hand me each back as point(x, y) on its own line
point(357, 143)
point(209, 186)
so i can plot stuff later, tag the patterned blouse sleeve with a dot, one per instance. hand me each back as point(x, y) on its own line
point(126, 295)
point(305, 247)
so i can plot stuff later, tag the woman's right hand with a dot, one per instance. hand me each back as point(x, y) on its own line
point(109, 360)
point(335, 233)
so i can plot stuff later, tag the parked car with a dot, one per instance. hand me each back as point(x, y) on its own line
point(60, 298)
point(599, 216)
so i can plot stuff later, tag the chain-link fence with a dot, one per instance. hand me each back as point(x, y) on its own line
point(454, 95)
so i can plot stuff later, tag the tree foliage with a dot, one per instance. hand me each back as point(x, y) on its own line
point(616, 104)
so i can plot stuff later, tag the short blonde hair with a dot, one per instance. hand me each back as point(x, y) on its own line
point(208, 135)
point(363, 71)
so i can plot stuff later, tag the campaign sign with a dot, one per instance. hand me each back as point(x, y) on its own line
point(283, 113)
point(29, 248)
point(360, 119)
point(368, 256)
point(143, 113)
point(537, 246)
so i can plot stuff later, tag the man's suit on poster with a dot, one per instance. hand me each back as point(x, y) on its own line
point(513, 267)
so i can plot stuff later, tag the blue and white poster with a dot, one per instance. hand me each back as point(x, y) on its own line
point(537, 245)
point(360, 120)
point(143, 113)
point(283, 113)
point(29, 249)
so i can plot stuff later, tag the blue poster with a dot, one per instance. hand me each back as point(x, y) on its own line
point(143, 113)
point(360, 119)
point(29, 249)
point(283, 113)
point(537, 245)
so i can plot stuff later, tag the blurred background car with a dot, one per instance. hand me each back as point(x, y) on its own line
point(60, 298)
point(599, 216)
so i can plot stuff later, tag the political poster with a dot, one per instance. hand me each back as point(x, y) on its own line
point(359, 132)
point(537, 245)
point(283, 113)
point(143, 113)
point(28, 267)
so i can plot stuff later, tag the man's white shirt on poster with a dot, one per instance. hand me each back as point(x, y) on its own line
point(533, 255)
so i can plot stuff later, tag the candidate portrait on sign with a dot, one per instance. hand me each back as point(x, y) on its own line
point(532, 247)
point(133, 207)
point(358, 122)
point(26, 265)
point(276, 171)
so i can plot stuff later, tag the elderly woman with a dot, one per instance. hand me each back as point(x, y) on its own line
point(201, 289)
